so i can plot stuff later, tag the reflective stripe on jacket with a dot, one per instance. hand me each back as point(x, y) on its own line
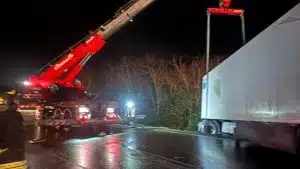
point(15, 165)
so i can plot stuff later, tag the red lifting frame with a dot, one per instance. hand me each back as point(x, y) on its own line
point(226, 12)
point(223, 10)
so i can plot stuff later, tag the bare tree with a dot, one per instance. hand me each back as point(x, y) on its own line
point(157, 69)
point(174, 86)
point(185, 80)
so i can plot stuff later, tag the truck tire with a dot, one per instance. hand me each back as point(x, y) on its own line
point(210, 127)
point(67, 113)
point(57, 113)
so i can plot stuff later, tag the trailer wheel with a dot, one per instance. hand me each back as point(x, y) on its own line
point(210, 127)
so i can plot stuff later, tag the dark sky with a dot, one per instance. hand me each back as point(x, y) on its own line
point(34, 32)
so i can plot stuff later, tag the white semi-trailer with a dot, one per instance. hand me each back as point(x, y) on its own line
point(254, 95)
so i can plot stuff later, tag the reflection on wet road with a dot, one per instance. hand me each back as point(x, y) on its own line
point(150, 148)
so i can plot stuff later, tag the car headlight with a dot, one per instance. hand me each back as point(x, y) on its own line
point(110, 110)
point(83, 109)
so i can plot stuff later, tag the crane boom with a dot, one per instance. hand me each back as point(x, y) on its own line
point(122, 16)
point(70, 64)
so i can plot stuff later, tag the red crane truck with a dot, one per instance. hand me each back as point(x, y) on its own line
point(56, 96)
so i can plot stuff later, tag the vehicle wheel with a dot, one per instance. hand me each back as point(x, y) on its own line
point(57, 113)
point(67, 113)
point(210, 127)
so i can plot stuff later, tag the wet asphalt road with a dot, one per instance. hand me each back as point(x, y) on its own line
point(155, 149)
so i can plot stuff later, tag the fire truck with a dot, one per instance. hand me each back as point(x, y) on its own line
point(55, 95)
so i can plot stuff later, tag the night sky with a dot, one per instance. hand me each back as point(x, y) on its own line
point(35, 32)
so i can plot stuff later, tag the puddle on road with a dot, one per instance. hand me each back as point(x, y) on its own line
point(55, 139)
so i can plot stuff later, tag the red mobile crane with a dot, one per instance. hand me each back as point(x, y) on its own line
point(62, 73)
point(55, 96)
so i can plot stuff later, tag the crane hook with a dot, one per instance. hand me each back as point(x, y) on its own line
point(224, 3)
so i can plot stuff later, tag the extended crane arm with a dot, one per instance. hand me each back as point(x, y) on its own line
point(72, 62)
point(122, 16)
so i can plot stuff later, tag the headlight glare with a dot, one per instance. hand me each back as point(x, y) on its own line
point(83, 109)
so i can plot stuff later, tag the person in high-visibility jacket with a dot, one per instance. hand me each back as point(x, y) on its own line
point(12, 141)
